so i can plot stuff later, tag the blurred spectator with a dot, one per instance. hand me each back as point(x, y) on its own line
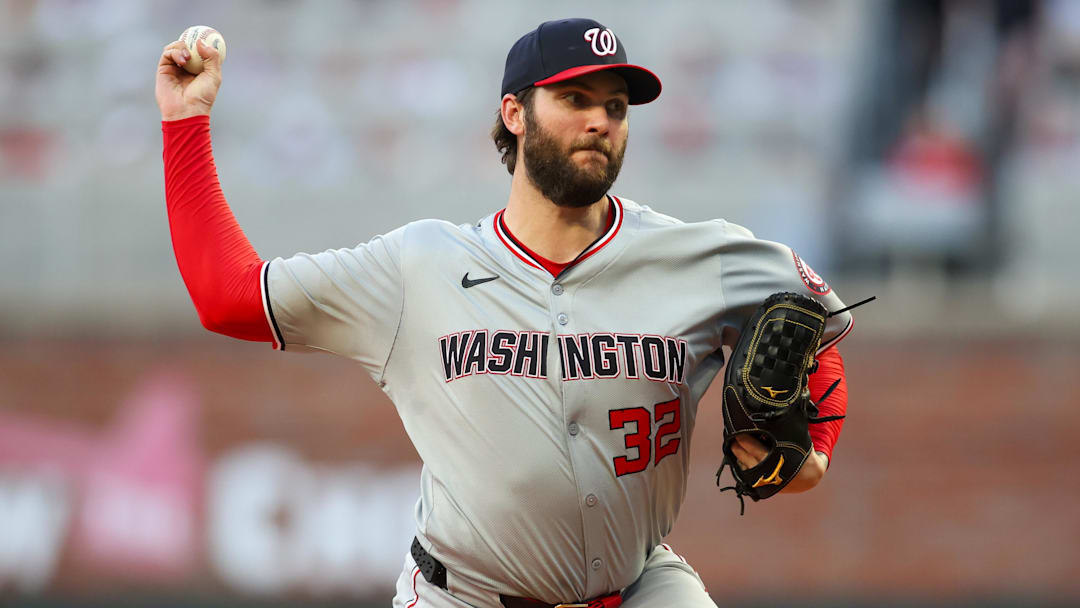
point(924, 189)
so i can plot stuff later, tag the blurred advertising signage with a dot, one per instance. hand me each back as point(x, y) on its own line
point(279, 524)
point(136, 502)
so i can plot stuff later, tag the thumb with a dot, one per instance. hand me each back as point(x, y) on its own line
point(210, 56)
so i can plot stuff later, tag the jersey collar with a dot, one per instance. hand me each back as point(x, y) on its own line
point(615, 214)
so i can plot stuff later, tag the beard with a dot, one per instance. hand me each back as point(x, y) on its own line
point(558, 178)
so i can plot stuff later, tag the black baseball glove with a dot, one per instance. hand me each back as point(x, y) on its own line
point(766, 393)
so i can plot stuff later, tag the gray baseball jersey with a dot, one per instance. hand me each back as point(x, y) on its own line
point(553, 414)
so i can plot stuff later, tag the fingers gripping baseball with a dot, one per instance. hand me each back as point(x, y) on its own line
point(748, 451)
point(181, 94)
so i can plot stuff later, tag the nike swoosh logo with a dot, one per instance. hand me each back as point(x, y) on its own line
point(466, 282)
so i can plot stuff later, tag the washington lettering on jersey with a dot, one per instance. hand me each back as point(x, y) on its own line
point(583, 356)
point(505, 352)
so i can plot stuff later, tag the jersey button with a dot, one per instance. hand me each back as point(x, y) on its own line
point(596, 563)
point(557, 289)
point(591, 500)
point(563, 319)
point(573, 428)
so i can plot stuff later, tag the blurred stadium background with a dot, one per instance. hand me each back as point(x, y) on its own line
point(924, 151)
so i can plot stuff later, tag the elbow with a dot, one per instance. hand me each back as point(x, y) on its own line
point(221, 316)
point(213, 321)
point(810, 475)
point(238, 320)
point(232, 306)
point(812, 479)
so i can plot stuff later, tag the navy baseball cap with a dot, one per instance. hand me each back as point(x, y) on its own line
point(567, 48)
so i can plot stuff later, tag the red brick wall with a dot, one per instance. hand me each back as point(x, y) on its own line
point(955, 474)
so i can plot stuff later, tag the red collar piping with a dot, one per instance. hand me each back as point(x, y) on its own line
point(536, 261)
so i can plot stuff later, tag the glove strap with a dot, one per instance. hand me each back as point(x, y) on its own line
point(739, 490)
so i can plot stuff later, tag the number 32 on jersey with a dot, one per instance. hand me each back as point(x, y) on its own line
point(649, 446)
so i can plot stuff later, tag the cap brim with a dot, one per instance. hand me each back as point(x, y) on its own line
point(643, 86)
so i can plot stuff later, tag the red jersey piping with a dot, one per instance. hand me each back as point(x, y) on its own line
point(536, 261)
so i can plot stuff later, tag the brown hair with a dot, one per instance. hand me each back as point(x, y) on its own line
point(505, 141)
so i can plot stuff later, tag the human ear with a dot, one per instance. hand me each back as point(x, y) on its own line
point(513, 114)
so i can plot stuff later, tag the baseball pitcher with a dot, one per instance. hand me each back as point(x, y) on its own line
point(546, 361)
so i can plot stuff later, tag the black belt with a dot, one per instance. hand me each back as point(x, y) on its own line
point(432, 569)
point(435, 573)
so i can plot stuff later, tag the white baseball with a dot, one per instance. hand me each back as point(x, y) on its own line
point(209, 36)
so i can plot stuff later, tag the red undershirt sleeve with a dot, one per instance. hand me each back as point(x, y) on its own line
point(220, 268)
point(830, 368)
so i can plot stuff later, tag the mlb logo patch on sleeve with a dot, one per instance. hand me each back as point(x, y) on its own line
point(811, 279)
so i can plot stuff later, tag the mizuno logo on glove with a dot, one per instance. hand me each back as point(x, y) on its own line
point(773, 393)
point(774, 479)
